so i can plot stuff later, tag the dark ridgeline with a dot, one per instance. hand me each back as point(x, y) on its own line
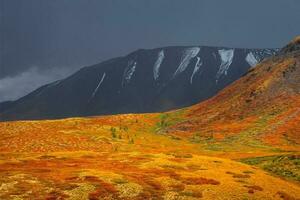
point(144, 81)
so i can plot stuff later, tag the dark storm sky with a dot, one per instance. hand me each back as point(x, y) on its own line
point(44, 40)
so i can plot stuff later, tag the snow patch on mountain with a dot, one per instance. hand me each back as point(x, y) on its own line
point(270, 52)
point(226, 56)
point(130, 69)
point(186, 57)
point(196, 69)
point(214, 55)
point(160, 58)
point(261, 54)
point(100, 82)
point(251, 60)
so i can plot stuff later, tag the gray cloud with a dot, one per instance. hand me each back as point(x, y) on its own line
point(14, 87)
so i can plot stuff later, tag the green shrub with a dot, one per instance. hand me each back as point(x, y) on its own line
point(113, 131)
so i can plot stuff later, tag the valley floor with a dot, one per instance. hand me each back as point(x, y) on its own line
point(130, 157)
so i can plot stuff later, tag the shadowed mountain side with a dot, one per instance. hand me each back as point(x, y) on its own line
point(144, 81)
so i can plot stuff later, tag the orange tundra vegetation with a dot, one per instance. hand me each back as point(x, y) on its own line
point(241, 144)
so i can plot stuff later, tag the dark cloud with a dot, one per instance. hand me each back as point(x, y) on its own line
point(14, 87)
point(77, 33)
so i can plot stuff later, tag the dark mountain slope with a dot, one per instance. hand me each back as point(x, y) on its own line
point(144, 81)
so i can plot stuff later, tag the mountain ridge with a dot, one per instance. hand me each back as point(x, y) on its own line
point(154, 80)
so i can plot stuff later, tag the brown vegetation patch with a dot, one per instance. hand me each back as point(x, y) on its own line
point(178, 160)
point(67, 186)
point(182, 155)
point(153, 184)
point(177, 187)
point(103, 190)
point(92, 179)
point(46, 157)
point(55, 195)
point(176, 167)
point(148, 194)
point(154, 172)
point(195, 168)
point(285, 196)
point(72, 178)
point(253, 188)
point(135, 161)
point(248, 172)
point(236, 175)
point(194, 193)
point(217, 161)
point(199, 181)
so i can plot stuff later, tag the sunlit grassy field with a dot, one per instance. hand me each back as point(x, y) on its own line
point(136, 157)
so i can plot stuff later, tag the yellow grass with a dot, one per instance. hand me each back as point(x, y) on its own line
point(81, 159)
